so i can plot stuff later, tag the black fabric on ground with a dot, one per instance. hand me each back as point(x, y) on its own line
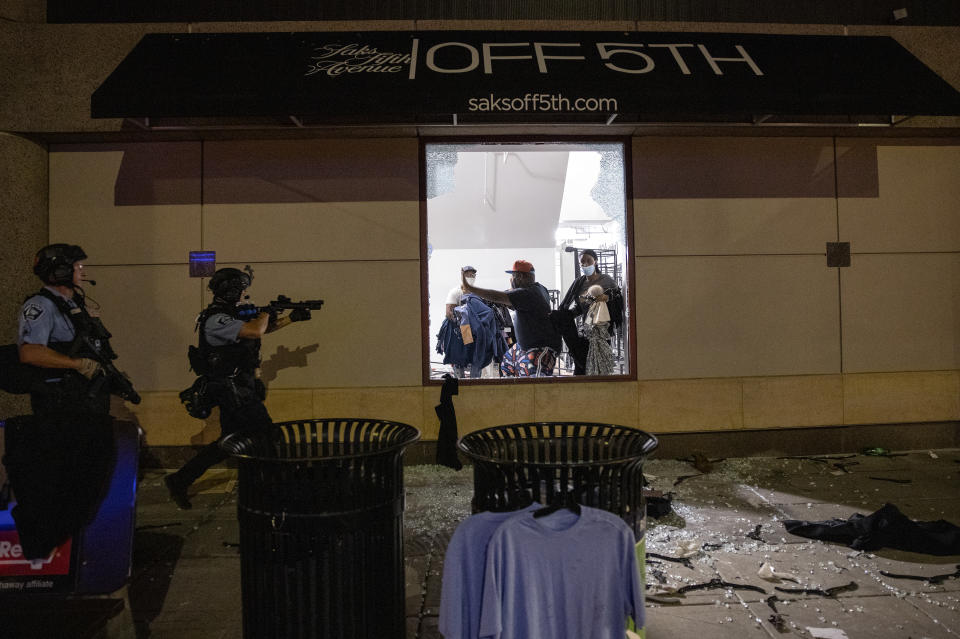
point(886, 528)
point(658, 507)
point(447, 437)
point(59, 467)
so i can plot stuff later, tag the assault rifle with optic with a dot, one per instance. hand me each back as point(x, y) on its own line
point(282, 303)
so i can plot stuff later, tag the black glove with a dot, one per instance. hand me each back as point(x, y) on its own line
point(299, 314)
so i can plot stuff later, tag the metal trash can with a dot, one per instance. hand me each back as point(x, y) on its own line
point(596, 465)
point(321, 528)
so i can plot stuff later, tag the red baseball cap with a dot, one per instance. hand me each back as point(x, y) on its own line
point(522, 266)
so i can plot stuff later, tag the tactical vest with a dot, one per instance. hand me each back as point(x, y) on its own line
point(65, 389)
point(227, 360)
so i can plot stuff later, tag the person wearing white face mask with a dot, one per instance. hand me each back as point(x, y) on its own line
point(576, 303)
point(454, 352)
point(453, 297)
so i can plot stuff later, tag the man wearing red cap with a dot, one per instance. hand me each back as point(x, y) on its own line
point(535, 352)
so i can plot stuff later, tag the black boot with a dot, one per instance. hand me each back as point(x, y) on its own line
point(178, 492)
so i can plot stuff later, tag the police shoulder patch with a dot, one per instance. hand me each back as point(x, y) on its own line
point(32, 311)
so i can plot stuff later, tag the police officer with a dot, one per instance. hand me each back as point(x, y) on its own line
point(60, 459)
point(229, 358)
point(46, 339)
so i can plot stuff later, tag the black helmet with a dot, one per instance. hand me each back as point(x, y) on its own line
point(228, 284)
point(54, 263)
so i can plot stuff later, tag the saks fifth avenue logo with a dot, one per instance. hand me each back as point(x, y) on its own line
point(338, 59)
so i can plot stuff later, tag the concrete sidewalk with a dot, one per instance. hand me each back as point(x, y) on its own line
point(186, 574)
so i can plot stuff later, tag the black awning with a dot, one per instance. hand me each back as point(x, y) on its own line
point(520, 76)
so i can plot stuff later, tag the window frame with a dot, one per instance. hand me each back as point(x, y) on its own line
point(629, 261)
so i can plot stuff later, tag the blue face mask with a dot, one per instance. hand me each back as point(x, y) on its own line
point(588, 270)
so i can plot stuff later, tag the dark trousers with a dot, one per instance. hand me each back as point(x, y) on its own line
point(576, 345)
point(251, 416)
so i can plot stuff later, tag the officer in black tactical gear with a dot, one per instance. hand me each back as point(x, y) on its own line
point(48, 336)
point(60, 458)
point(228, 361)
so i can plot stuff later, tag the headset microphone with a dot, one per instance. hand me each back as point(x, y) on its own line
point(90, 282)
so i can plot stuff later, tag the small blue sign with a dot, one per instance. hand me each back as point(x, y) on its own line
point(203, 263)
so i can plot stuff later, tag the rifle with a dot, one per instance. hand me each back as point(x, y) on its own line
point(116, 380)
point(282, 303)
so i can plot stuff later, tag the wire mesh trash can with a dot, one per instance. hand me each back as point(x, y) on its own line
point(321, 528)
point(597, 465)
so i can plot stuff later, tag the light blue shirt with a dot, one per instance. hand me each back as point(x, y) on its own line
point(561, 577)
point(41, 322)
point(461, 593)
point(221, 329)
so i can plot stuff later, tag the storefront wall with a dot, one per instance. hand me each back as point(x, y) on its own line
point(740, 323)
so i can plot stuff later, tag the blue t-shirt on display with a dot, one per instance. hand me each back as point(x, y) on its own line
point(562, 576)
point(463, 566)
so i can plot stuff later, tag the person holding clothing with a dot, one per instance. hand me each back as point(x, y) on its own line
point(456, 293)
point(576, 302)
point(228, 357)
point(537, 342)
point(456, 352)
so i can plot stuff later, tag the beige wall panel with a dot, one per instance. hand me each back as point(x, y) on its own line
point(366, 334)
point(608, 402)
point(733, 226)
point(916, 205)
point(689, 405)
point(732, 167)
point(901, 312)
point(286, 405)
point(127, 203)
point(151, 312)
point(884, 398)
point(736, 316)
point(314, 199)
point(165, 422)
point(332, 231)
point(774, 402)
point(311, 170)
point(482, 406)
point(403, 405)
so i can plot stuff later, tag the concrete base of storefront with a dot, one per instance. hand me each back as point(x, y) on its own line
point(732, 443)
